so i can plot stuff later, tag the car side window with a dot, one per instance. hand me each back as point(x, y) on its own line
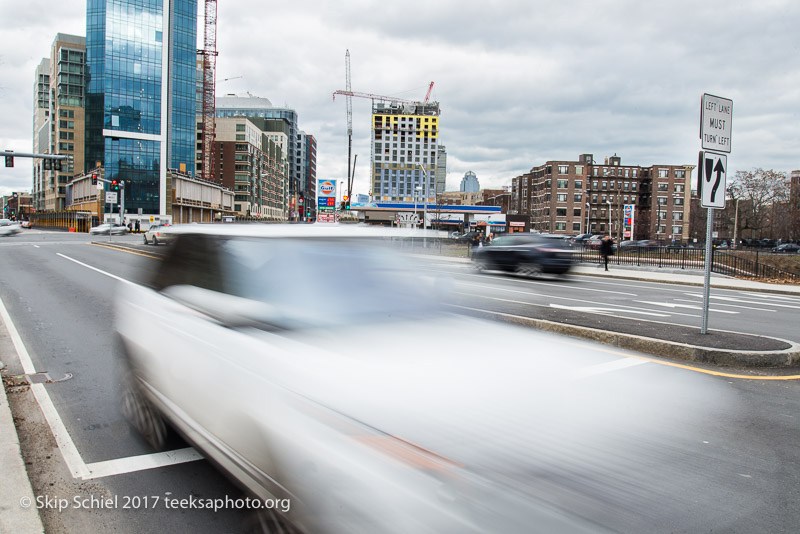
point(192, 260)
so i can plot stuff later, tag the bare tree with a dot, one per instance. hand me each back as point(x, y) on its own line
point(760, 192)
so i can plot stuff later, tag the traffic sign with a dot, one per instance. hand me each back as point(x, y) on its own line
point(111, 197)
point(716, 122)
point(713, 172)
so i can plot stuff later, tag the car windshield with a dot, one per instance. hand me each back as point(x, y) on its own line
point(319, 282)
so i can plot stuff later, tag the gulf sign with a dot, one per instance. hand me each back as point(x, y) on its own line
point(327, 188)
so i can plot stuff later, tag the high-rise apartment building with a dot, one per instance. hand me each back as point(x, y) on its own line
point(583, 196)
point(140, 102)
point(470, 183)
point(58, 122)
point(308, 172)
point(252, 106)
point(41, 130)
point(248, 159)
point(405, 151)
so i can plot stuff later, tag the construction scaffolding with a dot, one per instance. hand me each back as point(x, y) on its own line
point(209, 53)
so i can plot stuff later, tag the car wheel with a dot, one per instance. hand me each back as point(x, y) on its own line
point(529, 268)
point(155, 240)
point(143, 416)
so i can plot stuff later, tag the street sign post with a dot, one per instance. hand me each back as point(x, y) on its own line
point(716, 126)
point(111, 197)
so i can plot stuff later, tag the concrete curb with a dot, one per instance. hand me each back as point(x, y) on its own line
point(16, 487)
point(658, 347)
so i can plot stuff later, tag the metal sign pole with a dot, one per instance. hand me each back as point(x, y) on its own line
point(707, 280)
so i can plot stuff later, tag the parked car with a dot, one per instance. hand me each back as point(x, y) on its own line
point(787, 248)
point(158, 234)
point(467, 237)
point(525, 254)
point(594, 241)
point(109, 228)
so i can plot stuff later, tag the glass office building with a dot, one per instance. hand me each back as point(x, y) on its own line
point(140, 110)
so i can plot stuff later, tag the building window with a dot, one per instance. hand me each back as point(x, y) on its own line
point(594, 171)
point(677, 201)
point(579, 170)
point(561, 225)
point(677, 229)
point(605, 186)
point(240, 127)
point(576, 227)
point(679, 188)
point(563, 169)
point(663, 173)
point(680, 173)
point(561, 197)
point(576, 212)
point(663, 186)
point(577, 197)
point(561, 212)
point(662, 201)
point(578, 184)
point(562, 184)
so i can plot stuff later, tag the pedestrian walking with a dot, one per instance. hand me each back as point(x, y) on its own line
point(136, 226)
point(606, 249)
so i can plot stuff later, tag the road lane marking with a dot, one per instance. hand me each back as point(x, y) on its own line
point(566, 341)
point(593, 303)
point(605, 311)
point(610, 367)
point(673, 305)
point(69, 452)
point(115, 277)
point(129, 251)
point(35, 246)
point(143, 462)
point(729, 305)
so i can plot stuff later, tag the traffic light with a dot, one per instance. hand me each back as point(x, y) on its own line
point(57, 165)
point(94, 179)
point(9, 161)
point(47, 165)
point(114, 185)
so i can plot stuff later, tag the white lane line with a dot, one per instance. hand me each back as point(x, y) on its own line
point(609, 367)
point(77, 467)
point(593, 303)
point(472, 274)
point(115, 277)
point(729, 305)
point(35, 246)
point(605, 311)
point(69, 452)
point(140, 463)
point(689, 306)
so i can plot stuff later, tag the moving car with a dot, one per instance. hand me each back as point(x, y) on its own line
point(525, 254)
point(9, 229)
point(315, 364)
point(787, 248)
point(25, 224)
point(158, 234)
point(109, 228)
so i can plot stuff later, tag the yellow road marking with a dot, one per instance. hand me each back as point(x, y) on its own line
point(120, 249)
point(681, 366)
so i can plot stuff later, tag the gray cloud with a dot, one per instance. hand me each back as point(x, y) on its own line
point(519, 82)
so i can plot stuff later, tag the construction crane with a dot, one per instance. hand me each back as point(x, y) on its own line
point(209, 54)
point(348, 93)
point(228, 79)
point(349, 100)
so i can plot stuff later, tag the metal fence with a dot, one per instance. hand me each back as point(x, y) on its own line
point(692, 258)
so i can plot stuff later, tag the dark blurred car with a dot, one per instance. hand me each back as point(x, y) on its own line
point(525, 254)
point(467, 237)
point(648, 244)
point(627, 245)
point(593, 242)
point(787, 248)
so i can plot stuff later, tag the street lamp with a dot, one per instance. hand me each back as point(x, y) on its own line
point(586, 230)
point(418, 188)
point(609, 216)
point(425, 209)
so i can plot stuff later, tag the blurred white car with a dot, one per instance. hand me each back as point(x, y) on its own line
point(108, 228)
point(10, 229)
point(158, 234)
point(315, 366)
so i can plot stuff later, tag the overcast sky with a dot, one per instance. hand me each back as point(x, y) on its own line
point(519, 81)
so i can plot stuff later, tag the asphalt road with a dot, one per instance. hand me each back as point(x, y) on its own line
point(719, 456)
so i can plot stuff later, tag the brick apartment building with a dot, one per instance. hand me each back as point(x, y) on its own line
point(572, 197)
